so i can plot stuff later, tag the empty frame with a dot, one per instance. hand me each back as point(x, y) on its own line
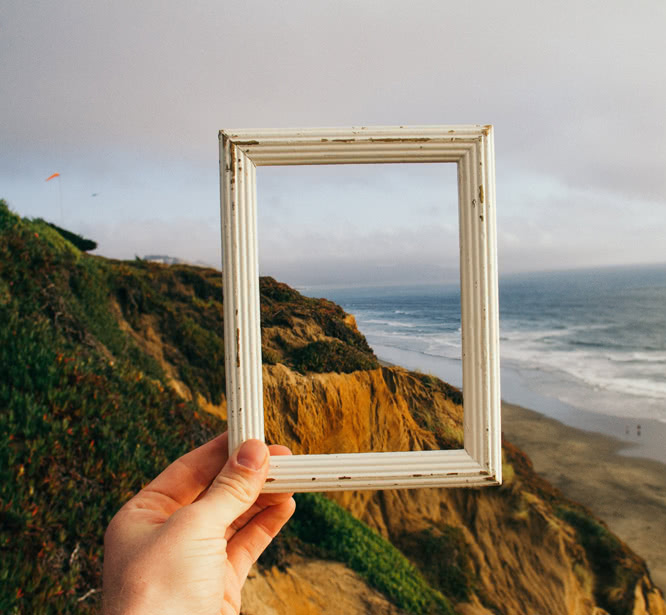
point(470, 147)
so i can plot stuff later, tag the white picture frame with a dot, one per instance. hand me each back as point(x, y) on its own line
point(471, 148)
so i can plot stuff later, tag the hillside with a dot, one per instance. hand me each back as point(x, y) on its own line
point(111, 369)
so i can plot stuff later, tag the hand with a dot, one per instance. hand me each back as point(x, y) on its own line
point(185, 543)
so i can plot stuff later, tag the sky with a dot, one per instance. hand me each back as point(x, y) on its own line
point(125, 101)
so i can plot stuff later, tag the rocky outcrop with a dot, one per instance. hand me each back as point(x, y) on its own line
point(518, 551)
point(312, 587)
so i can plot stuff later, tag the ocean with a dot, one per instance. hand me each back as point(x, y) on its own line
point(587, 347)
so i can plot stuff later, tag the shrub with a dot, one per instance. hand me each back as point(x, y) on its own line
point(443, 558)
point(332, 356)
point(81, 243)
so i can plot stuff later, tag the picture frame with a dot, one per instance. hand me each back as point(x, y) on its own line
point(471, 148)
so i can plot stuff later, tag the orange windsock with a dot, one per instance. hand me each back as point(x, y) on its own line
point(52, 176)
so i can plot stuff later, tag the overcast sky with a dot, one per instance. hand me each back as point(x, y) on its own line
point(125, 100)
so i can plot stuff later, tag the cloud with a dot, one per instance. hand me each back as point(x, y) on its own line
point(135, 91)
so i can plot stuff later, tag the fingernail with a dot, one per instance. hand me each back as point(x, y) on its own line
point(252, 454)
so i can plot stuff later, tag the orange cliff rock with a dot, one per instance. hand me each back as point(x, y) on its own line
point(524, 557)
point(349, 413)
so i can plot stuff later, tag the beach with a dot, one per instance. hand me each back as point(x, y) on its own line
point(627, 493)
point(619, 480)
point(587, 350)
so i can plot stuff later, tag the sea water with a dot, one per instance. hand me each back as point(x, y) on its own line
point(592, 341)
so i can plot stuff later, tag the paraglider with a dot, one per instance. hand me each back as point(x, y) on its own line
point(52, 176)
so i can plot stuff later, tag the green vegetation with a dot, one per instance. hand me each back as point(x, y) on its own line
point(435, 384)
point(342, 347)
point(331, 356)
point(83, 244)
point(85, 421)
point(87, 417)
point(89, 348)
point(323, 523)
point(443, 558)
point(616, 573)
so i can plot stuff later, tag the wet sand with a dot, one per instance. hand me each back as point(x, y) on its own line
point(628, 493)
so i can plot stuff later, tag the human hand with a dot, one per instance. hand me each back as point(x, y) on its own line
point(185, 543)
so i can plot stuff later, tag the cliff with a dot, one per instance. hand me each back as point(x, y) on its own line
point(518, 548)
point(107, 368)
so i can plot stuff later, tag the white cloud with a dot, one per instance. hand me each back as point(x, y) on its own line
point(130, 97)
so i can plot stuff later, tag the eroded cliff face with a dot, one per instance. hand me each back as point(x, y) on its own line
point(519, 548)
point(523, 556)
point(312, 587)
point(375, 410)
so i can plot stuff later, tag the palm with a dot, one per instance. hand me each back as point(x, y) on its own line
point(196, 552)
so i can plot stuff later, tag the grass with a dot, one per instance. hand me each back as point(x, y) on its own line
point(87, 418)
point(336, 534)
point(443, 558)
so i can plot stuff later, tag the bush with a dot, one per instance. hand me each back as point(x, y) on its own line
point(81, 243)
point(444, 559)
point(85, 420)
point(332, 356)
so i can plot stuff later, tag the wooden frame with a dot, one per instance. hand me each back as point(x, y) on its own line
point(471, 148)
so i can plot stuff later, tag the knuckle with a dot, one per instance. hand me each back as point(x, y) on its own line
point(237, 486)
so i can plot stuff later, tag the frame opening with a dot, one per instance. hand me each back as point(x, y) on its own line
point(382, 241)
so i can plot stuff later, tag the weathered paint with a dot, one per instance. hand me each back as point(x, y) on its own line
point(471, 148)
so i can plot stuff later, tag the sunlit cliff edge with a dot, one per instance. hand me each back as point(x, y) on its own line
point(111, 369)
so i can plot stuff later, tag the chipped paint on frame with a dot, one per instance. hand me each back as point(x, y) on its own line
point(471, 148)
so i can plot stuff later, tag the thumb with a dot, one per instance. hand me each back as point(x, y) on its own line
point(238, 484)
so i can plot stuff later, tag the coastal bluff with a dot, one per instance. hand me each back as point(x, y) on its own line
point(518, 548)
point(522, 547)
point(111, 369)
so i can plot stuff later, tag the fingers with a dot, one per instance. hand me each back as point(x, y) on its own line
point(182, 482)
point(264, 500)
point(236, 488)
point(249, 543)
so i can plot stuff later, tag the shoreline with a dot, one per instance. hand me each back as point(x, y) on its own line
point(627, 493)
point(638, 437)
point(601, 462)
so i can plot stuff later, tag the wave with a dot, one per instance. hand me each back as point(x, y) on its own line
point(636, 373)
point(571, 339)
point(596, 370)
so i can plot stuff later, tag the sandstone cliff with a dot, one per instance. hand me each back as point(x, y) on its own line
point(520, 548)
point(519, 544)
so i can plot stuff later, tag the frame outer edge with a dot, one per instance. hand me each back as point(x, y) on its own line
point(483, 267)
point(227, 179)
point(473, 154)
point(494, 413)
point(241, 298)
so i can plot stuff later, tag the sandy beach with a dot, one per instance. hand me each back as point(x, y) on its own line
point(628, 493)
